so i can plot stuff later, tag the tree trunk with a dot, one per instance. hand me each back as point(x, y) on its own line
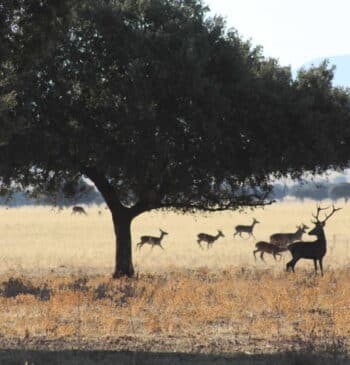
point(122, 218)
point(122, 228)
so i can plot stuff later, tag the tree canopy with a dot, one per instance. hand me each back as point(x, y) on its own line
point(161, 106)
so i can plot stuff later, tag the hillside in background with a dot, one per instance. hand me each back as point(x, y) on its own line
point(342, 72)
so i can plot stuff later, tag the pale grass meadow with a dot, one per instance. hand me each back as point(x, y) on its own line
point(56, 290)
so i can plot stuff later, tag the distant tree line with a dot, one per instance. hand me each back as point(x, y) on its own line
point(87, 194)
point(312, 190)
point(68, 194)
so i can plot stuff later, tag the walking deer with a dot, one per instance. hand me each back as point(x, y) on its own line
point(151, 240)
point(209, 239)
point(265, 247)
point(315, 250)
point(284, 239)
point(77, 209)
point(246, 229)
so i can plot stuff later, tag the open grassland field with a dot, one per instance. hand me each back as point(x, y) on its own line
point(56, 291)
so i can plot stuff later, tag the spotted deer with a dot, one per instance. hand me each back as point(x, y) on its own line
point(77, 209)
point(246, 229)
point(284, 239)
point(151, 240)
point(315, 250)
point(265, 247)
point(209, 239)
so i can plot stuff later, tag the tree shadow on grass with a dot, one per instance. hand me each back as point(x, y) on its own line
point(19, 357)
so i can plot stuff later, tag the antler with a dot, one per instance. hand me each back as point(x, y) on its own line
point(333, 211)
point(327, 217)
point(318, 212)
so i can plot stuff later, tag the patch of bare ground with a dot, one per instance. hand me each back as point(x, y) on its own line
point(235, 310)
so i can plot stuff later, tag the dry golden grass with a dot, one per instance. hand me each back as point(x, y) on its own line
point(184, 298)
point(222, 311)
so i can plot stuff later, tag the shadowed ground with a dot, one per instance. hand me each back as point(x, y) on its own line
point(125, 358)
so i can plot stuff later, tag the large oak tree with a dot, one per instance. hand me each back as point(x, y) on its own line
point(160, 106)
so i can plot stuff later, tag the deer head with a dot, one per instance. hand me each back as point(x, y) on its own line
point(220, 233)
point(162, 232)
point(302, 228)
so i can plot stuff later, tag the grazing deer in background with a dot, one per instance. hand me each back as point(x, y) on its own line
point(265, 247)
point(57, 209)
point(209, 239)
point(284, 239)
point(153, 241)
point(77, 209)
point(246, 229)
point(315, 250)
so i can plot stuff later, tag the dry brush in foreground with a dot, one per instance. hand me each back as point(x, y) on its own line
point(185, 311)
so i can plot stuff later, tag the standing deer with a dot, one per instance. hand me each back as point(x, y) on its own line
point(284, 239)
point(315, 250)
point(246, 229)
point(209, 239)
point(77, 209)
point(153, 241)
point(265, 247)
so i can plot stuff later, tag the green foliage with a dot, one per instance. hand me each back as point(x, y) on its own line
point(163, 101)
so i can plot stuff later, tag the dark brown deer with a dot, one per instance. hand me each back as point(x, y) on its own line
point(246, 229)
point(77, 209)
point(209, 239)
point(265, 247)
point(151, 240)
point(284, 239)
point(315, 250)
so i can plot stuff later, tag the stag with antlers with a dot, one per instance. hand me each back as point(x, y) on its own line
point(315, 250)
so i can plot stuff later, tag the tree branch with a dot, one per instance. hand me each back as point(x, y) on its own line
point(104, 187)
point(218, 209)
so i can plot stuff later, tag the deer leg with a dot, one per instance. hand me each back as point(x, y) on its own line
point(291, 264)
point(321, 266)
point(295, 261)
point(262, 256)
point(275, 254)
point(199, 244)
point(315, 265)
point(234, 235)
point(161, 246)
point(254, 252)
point(138, 246)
